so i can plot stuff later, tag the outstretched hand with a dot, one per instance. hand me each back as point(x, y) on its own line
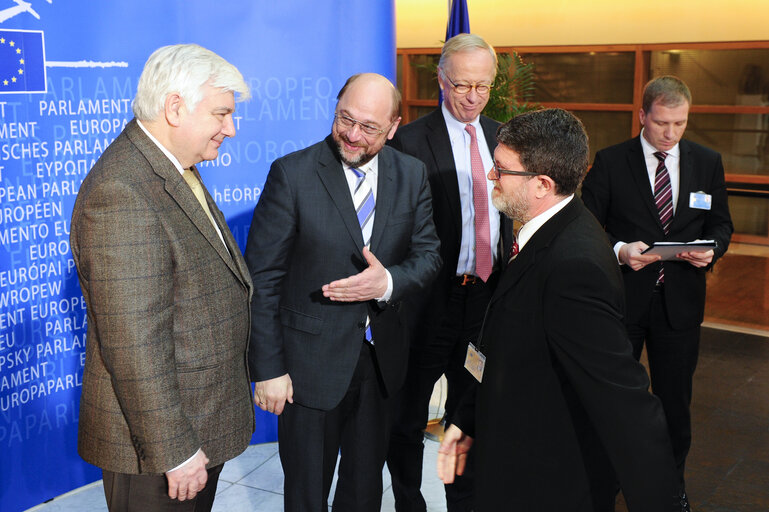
point(367, 285)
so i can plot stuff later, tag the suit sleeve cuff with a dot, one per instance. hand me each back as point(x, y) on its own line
point(185, 462)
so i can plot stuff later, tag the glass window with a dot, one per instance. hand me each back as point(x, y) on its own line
point(742, 140)
point(750, 213)
point(605, 128)
point(594, 77)
point(417, 112)
point(718, 77)
point(426, 84)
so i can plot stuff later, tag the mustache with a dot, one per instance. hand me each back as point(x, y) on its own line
point(349, 142)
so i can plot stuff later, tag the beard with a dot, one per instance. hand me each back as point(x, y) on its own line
point(514, 206)
point(357, 161)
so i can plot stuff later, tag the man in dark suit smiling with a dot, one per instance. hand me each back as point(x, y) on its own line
point(342, 233)
point(456, 144)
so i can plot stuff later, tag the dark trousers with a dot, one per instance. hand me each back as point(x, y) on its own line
point(441, 351)
point(149, 493)
point(672, 358)
point(310, 440)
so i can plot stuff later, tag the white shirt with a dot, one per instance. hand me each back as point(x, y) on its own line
point(370, 172)
point(531, 227)
point(673, 165)
point(460, 148)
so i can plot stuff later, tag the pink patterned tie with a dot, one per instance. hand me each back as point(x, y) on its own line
point(483, 261)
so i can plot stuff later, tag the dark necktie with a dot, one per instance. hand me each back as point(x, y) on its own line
point(663, 198)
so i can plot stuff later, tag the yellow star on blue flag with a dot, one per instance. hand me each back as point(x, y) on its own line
point(22, 61)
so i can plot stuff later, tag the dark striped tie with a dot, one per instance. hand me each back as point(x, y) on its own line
point(663, 198)
point(363, 199)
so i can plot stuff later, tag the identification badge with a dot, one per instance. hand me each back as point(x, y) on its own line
point(475, 362)
point(700, 200)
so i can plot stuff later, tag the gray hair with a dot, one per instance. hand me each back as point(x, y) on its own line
point(463, 43)
point(669, 90)
point(183, 68)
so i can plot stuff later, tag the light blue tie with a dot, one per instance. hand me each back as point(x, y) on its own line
point(363, 199)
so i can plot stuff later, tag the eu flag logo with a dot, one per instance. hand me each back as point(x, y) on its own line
point(22, 61)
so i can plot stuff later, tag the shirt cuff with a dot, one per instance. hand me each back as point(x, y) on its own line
point(617, 247)
point(389, 292)
point(185, 462)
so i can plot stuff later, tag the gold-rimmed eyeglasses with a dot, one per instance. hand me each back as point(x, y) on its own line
point(481, 89)
point(349, 122)
point(496, 172)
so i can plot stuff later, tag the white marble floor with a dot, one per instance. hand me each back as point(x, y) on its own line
point(253, 482)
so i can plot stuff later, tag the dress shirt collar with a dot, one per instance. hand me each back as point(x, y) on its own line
point(456, 128)
point(371, 166)
point(531, 227)
point(162, 148)
point(649, 150)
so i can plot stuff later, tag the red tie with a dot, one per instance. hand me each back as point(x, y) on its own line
point(663, 198)
point(514, 250)
point(483, 262)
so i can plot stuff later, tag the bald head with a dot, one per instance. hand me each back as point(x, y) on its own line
point(366, 116)
point(377, 86)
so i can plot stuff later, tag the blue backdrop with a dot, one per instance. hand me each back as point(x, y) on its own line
point(68, 73)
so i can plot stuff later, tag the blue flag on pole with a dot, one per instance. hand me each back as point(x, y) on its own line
point(22, 61)
point(459, 21)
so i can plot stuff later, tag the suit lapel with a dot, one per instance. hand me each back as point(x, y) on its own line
point(232, 258)
point(180, 192)
point(385, 195)
point(440, 145)
point(539, 241)
point(331, 174)
point(489, 133)
point(685, 179)
point(506, 225)
point(640, 174)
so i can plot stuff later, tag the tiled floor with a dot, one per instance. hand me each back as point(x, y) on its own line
point(253, 482)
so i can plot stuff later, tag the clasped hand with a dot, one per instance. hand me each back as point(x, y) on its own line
point(188, 480)
point(271, 395)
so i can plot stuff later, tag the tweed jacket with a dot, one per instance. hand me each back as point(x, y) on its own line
point(168, 317)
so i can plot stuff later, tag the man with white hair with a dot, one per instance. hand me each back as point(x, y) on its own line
point(166, 396)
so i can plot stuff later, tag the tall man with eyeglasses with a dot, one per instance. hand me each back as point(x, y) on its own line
point(559, 374)
point(342, 233)
point(456, 143)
